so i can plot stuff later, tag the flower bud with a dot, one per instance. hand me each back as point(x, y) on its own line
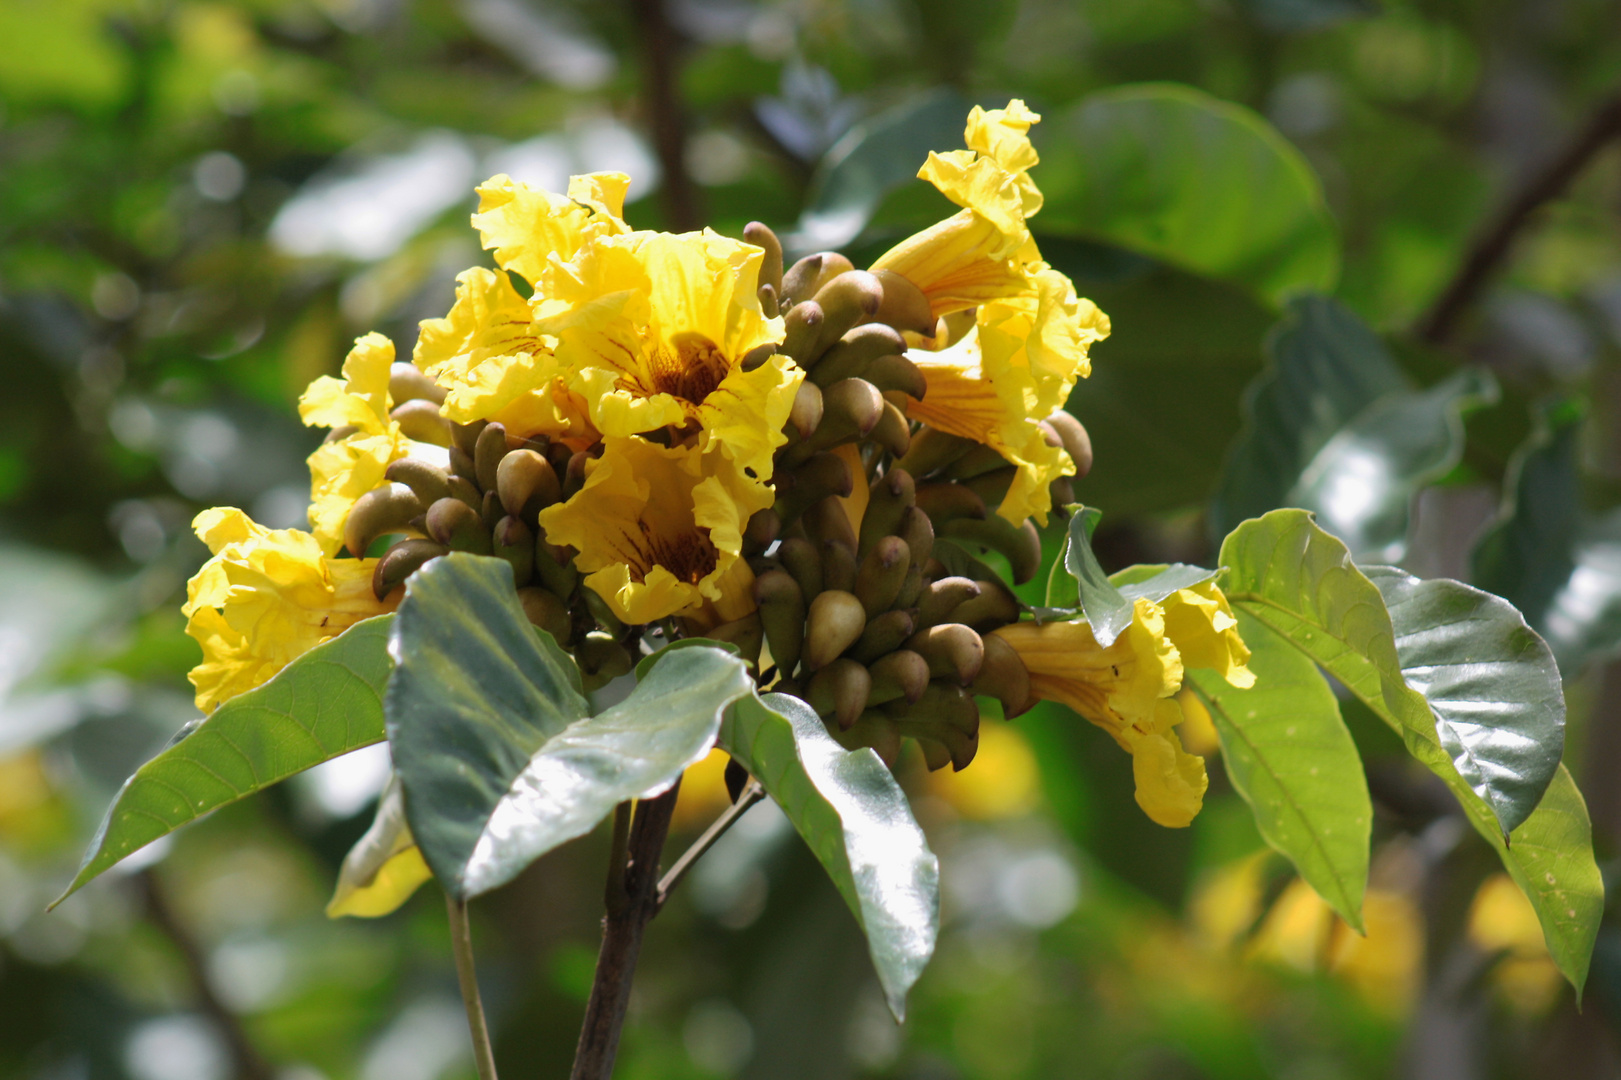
point(465, 437)
point(847, 300)
point(782, 617)
point(407, 382)
point(420, 419)
point(542, 608)
point(979, 459)
point(834, 622)
point(487, 454)
point(946, 503)
point(942, 597)
point(851, 408)
point(554, 568)
point(384, 510)
point(806, 412)
point(427, 480)
point(400, 562)
point(802, 328)
point(1073, 435)
point(770, 307)
point(884, 634)
point(892, 374)
point(839, 566)
point(602, 659)
point(933, 449)
point(464, 489)
point(952, 651)
point(879, 577)
point(514, 542)
point(827, 520)
point(839, 690)
point(892, 432)
point(458, 526)
point(992, 487)
point(993, 607)
point(762, 528)
point(760, 235)
point(1019, 544)
point(527, 484)
point(918, 532)
point(746, 633)
point(901, 674)
point(945, 723)
point(804, 564)
point(874, 730)
point(852, 354)
point(888, 500)
point(822, 475)
point(1004, 677)
point(904, 306)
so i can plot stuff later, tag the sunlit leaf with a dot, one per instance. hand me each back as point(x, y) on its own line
point(327, 702)
point(1288, 753)
point(852, 813)
point(499, 757)
point(1300, 582)
point(1205, 184)
point(1108, 612)
point(1490, 680)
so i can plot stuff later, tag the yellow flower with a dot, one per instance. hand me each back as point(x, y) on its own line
point(659, 530)
point(1014, 368)
point(652, 329)
point(526, 226)
point(344, 469)
point(264, 599)
point(496, 365)
point(977, 254)
point(1129, 689)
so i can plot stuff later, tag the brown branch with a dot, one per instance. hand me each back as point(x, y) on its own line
point(662, 98)
point(1493, 244)
point(245, 1060)
point(622, 940)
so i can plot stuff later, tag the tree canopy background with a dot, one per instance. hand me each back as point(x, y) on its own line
point(201, 204)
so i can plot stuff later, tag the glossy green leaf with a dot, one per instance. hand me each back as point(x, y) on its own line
point(1208, 185)
point(1162, 402)
point(1104, 607)
point(499, 757)
point(873, 159)
point(1324, 368)
point(1157, 581)
point(327, 702)
point(1288, 753)
point(1490, 680)
point(1558, 565)
point(855, 817)
point(1300, 582)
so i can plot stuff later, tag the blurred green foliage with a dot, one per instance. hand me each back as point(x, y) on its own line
point(201, 203)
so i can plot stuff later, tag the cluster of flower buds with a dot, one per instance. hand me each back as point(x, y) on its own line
point(485, 497)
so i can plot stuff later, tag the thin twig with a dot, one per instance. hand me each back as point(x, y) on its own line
point(461, 944)
point(751, 794)
point(622, 941)
point(1493, 244)
point(661, 94)
point(245, 1060)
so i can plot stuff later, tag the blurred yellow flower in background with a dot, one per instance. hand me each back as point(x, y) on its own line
point(1502, 921)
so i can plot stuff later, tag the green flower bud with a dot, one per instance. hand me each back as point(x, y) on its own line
point(1019, 544)
point(839, 690)
point(952, 650)
point(884, 634)
point(933, 449)
point(881, 573)
point(387, 509)
point(400, 562)
point(901, 674)
point(760, 235)
point(545, 610)
point(834, 622)
point(407, 382)
point(804, 563)
point(420, 419)
point(527, 484)
point(782, 616)
point(487, 454)
point(457, 526)
point(514, 542)
point(428, 481)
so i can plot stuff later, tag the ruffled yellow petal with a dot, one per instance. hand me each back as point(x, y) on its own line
point(263, 600)
point(1127, 690)
point(1004, 135)
point(658, 529)
point(959, 263)
point(652, 329)
point(488, 319)
point(1201, 625)
point(360, 398)
point(526, 226)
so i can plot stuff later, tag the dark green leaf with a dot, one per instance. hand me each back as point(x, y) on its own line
point(1325, 368)
point(1172, 172)
point(874, 158)
point(1290, 756)
point(1490, 680)
point(1162, 402)
point(492, 739)
point(1104, 607)
point(856, 819)
point(1300, 582)
point(1362, 482)
point(327, 702)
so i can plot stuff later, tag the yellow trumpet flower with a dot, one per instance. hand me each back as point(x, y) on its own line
point(344, 469)
point(1129, 689)
point(652, 330)
point(266, 598)
point(659, 530)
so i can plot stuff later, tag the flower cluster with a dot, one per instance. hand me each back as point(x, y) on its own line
point(799, 460)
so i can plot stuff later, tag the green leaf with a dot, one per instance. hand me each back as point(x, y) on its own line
point(327, 702)
point(499, 757)
point(874, 158)
point(1157, 581)
point(856, 819)
point(1162, 402)
point(1288, 753)
point(1362, 482)
point(1490, 680)
point(959, 563)
point(1558, 565)
point(1208, 185)
point(1106, 610)
point(1300, 582)
point(1325, 367)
